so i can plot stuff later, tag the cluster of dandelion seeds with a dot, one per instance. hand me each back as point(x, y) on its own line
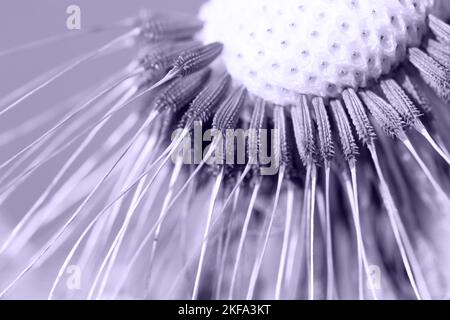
point(349, 98)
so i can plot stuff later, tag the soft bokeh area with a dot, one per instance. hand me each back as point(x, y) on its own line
point(24, 21)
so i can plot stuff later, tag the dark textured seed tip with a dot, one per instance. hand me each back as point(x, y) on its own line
point(439, 51)
point(227, 115)
point(359, 117)
point(433, 73)
point(206, 102)
point(167, 28)
point(415, 92)
point(257, 119)
point(384, 114)
point(348, 143)
point(440, 29)
point(282, 149)
point(398, 98)
point(197, 58)
point(256, 124)
point(163, 57)
point(304, 136)
point(326, 148)
point(180, 92)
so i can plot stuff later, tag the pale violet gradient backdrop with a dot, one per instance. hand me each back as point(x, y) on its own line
point(26, 20)
point(22, 21)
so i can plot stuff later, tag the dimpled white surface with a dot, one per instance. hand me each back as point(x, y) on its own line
point(281, 48)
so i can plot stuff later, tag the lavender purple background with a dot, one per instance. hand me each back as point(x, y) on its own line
point(22, 21)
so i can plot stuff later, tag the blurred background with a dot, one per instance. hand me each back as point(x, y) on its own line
point(24, 21)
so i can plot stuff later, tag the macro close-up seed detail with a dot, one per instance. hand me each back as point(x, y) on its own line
point(259, 149)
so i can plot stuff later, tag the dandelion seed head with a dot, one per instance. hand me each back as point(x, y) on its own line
point(357, 40)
